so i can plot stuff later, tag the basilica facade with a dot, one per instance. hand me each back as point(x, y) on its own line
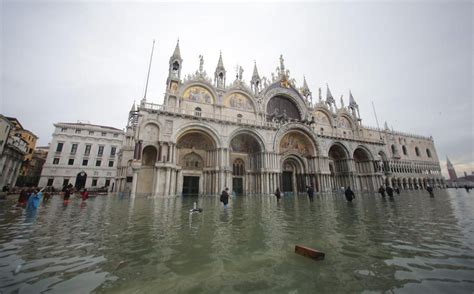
point(210, 133)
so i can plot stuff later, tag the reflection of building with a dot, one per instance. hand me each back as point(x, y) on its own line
point(255, 138)
point(83, 155)
point(13, 149)
point(454, 180)
point(30, 139)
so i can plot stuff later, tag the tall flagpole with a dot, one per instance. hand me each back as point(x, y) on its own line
point(149, 68)
point(376, 119)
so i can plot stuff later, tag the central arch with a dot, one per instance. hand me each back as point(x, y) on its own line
point(293, 174)
point(196, 150)
point(298, 151)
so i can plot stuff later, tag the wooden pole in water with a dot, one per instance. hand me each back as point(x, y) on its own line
point(309, 252)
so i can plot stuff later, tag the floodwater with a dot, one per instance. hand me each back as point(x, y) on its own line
point(113, 244)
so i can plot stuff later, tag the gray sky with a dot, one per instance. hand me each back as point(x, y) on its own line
point(69, 61)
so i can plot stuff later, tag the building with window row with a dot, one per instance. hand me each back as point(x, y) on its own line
point(82, 154)
point(13, 149)
point(254, 137)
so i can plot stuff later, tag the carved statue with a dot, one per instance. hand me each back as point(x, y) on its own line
point(201, 63)
point(241, 70)
point(320, 97)
point(342, 102)
point(282, 65)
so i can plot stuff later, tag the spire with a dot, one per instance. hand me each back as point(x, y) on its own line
point(255, 71)
point(175, 66)
point(448, 163)
point(219, 74)
point(329, 98)
point(305, 89)
point(177, 52)
point(255, 82)
point(451, 171)
point(220, 63)
point(133, 107)
point(352, 102)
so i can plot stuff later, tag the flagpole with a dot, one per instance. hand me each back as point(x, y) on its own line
point(149, 68)
point(376, 119)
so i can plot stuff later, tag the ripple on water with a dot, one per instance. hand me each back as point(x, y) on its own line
point(112, 244)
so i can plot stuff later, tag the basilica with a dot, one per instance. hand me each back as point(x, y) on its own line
point(213, 132)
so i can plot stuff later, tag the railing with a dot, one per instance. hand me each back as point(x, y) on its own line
point(209, 115)
point(258, 123)
point(397, 133)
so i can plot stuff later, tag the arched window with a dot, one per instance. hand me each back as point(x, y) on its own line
point(393, 150)
point(197, 111)
point(176, 65)
point(239, 118)
point(404, 150)
point(238, 167)
point(417, 151)
point(428, 153)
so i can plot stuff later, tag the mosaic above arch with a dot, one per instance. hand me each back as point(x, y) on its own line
point(282, 106)
point(196, 141)
point(239, 101)
point(343, 122)
point(321, 118)
point(244, 144)
point(296, 142)
point(198, 94)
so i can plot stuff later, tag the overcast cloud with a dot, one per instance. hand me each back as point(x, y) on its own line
point(63, 62)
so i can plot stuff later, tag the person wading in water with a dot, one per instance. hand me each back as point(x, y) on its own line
point(225, 197)
point(349, 194)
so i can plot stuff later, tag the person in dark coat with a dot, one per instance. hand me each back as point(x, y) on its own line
point(430, 190)
point(310, 193)
point(390, 191)
point(225, 197)
point(349, 194)
point(382, 191)
point(23, 198)
point(278, 194)
point(67, 194)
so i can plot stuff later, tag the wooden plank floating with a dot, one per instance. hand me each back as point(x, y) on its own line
point(309, 252)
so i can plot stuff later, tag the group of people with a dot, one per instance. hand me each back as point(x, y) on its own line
point(30, 198)
point(389, 191)
point(224, 198)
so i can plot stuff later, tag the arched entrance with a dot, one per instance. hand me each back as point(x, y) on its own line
point(364, 170)
point(245, 156)
point(298, 152)
point(338, 166)
point(238, 168)
point(292, 177)
point(197, 155)
point(81, 180)
point(146, 172)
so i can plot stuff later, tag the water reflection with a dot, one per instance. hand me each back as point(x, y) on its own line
point(411, 243)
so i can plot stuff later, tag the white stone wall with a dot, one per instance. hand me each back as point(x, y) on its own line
point(66, 134)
